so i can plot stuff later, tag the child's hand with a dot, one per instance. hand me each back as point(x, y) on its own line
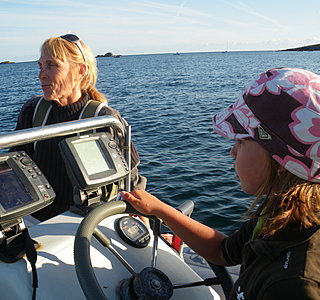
point(143, 202)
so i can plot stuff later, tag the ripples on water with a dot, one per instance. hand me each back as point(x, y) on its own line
point(169, 100)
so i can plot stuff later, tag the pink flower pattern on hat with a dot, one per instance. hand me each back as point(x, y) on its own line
point(296, 167)
point(286, 103)
point(263, 83)
point(302, 85)
point(306, 88)
point(306, 127)
point(224, 128)
point(244, 116)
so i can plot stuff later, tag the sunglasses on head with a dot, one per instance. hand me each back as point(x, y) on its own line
point(72, 38)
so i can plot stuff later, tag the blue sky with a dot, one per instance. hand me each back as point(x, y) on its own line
point(138, 27)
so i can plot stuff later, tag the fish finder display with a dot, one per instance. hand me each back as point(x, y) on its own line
point(23, 188)
point(12, 191)
point(93, 160)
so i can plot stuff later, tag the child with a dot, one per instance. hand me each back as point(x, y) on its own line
point(276, 125)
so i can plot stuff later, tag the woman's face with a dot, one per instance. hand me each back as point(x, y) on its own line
point(59, 81)
point(252, 165)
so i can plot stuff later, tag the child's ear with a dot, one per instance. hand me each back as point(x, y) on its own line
point(280, 170)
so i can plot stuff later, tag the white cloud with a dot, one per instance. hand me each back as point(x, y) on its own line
point(249, 10)
point(145, 26)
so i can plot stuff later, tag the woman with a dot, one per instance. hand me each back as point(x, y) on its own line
point(68, 76)
point(276, 125)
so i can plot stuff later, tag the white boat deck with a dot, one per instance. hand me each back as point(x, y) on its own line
point(201, 267)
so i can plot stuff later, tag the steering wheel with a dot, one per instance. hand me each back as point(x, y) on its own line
point(153, 277)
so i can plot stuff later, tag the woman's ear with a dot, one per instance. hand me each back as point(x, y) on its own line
point(82, 70)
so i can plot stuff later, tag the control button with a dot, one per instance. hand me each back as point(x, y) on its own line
point(39, 173)
point(34, 176)
point(26, 161)
point(48, 186)
point(112, 144)
point(23, 154)
point(30, 170)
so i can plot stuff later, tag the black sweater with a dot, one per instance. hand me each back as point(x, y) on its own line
point(47, 154)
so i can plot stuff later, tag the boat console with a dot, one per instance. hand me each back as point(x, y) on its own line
point(124, 260)
point(23, 190)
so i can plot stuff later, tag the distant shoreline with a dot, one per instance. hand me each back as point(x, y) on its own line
point(6, 62)
point(315, 47)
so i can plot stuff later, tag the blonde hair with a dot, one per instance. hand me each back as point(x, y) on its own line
point(67, 51)
point(288, 199)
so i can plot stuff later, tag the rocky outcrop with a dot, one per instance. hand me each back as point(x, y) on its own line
point(6, 62)
point(109, 54)
point(315, 47)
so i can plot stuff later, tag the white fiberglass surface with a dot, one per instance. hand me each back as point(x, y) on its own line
point(57, 275)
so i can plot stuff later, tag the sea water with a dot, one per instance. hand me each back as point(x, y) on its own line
point(169, 100)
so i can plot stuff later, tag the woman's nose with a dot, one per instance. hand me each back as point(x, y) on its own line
point(42, 74)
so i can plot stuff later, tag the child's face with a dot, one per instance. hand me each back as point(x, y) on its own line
point(251, 164)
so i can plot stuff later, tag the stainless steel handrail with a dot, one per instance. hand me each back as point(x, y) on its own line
point(30, 135)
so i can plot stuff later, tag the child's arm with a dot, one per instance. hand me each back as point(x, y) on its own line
point(201, 238)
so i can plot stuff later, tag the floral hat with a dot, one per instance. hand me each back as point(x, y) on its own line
point(281, 111)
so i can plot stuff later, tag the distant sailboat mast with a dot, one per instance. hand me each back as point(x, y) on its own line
point(227, 47)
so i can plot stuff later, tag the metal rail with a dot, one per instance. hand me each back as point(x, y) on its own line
point(30, 135)
point(127, 149)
